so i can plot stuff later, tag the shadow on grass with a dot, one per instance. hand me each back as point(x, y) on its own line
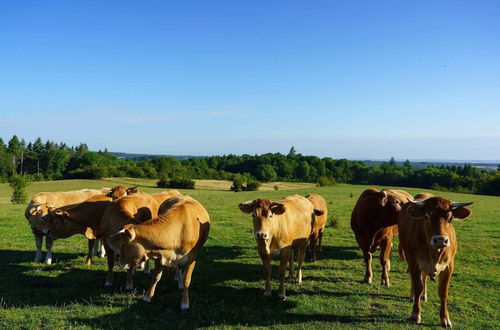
point(336, 253)
point(222, 293)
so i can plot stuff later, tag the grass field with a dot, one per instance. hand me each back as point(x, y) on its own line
point(227, 286)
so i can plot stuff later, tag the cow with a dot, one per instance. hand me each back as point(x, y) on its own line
point(133, 209)
point(173, 240)
point(279, 228)
point(374, 223)
point(84, 218)
point(39, 206)
point(164, 195)
point(318, 227)
point(427, 237)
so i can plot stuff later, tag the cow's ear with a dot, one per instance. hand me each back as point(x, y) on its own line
point(246, 207)
point(61, 213)
point(278, 208)
point(461, 212)
point(132, 190)
point(35, 210)
point(130, 233)
point(382, 198)
point(318, 212)
point(415, 210)
point(89, 233)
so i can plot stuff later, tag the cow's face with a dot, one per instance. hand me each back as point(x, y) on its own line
point(38, 216)
point(127, 251)
point(435, 215)
point(59, 225)
point(262, 211)
point(121, 191)
point(391, 202)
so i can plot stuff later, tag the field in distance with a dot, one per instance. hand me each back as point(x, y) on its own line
point(227, 285)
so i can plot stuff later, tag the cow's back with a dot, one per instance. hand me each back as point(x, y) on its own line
point(135, 208)
point(164, 195)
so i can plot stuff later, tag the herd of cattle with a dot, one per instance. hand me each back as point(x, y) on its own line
point(170, 228)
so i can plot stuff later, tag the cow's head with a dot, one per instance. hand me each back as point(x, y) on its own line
point(436, 215)
point(262, 211)
point(128, 252)
point(59, 225)
point(121, 191)
point(391, 200)
point(37, 216)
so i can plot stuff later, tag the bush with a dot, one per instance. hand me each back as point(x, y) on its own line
point(19, 184)
point(253, 186)
point(176, 183)
point(326, 181)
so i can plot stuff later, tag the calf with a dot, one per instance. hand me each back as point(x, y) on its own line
point(319, 224)
point(374, 223)
point(39, 207)
point(133, 209)
point(280, 227)
point(173, 239)
point(428, 240)
point(84, 218)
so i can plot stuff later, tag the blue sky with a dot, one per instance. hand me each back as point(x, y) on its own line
point(344, 79)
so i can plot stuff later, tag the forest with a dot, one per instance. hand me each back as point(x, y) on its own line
point(39, 160)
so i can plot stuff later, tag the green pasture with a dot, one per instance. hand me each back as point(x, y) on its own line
point(227, 286)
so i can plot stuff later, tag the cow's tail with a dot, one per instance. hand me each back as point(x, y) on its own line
point(402, 256)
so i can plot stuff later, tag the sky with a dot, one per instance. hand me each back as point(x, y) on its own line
point(341, 79)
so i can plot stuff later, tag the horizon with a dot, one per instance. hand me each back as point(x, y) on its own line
point(340, 79)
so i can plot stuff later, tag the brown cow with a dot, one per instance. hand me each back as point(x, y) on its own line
point(280, 227)
point(164, 195)
point(374, 223)
point(173, 240)
point(316, 238)
point(428, 239)
point(39, 206)
point(133, 209)
point(84, 218)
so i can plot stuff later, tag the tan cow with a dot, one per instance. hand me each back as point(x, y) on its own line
point(428, 239)
point(374, 223)
point(84, 218)
point(318, 227)
point(121, 191)
point(279, 228)
point(133, 209)
point(39, 206)
point(164, 195)
point(172, 240)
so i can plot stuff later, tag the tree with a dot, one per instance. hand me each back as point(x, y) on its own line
point(292, 153)
point(15, 148)
point(18, 183)
point(266, 173)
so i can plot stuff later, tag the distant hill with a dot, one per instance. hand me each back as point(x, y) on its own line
point(124, 155)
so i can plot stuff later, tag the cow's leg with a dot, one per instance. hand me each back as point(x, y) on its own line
point(266, 261)
point(284, 258)
point(38, 243)
point(418, 287)
point(290, 266)
point(301, 253)
point(110, 256)
point(314, 240)
point(368, 263)
point(444, 285)
point(320, 240)
point(90, 252)
point(48, 246)
point(385, 260)
point(424, 282)
point(179, 278)
point(156, 278)
point(188, 271)
point(129, 284)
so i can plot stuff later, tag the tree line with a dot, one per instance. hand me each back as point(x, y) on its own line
point(53, 161)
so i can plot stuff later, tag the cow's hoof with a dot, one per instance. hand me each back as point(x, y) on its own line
point(368, 281)
point(424, 297)
point(282, 296)
point(146, 299)
point(184, 306)
point(416, 317)
point(446, 323)
point(267, 293)
point(48, 261)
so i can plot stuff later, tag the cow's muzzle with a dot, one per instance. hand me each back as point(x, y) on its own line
point(440, 242)
point(261, 235)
